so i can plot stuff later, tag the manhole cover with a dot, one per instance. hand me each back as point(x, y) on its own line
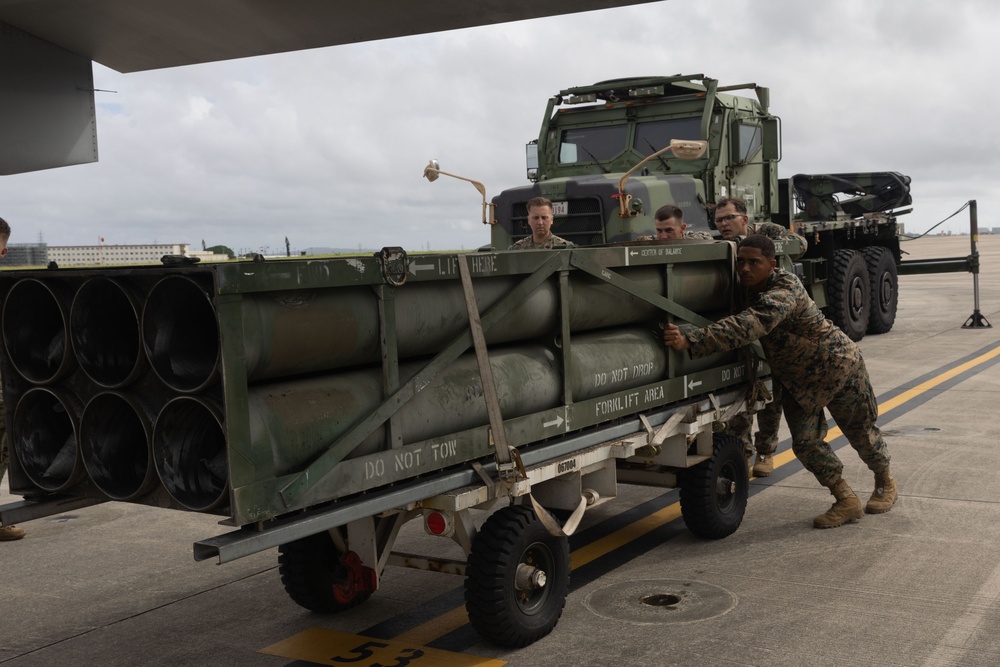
point(656, 601)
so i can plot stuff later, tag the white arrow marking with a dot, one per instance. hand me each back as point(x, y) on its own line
point(633, 252)
point(557, 422)
point(692, 384)
point(421, 267)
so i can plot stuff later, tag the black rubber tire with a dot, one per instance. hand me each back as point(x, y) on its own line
point(714, 493)
point(884, 286)
point(310, 568)
point(500, 613)
point(849, 293)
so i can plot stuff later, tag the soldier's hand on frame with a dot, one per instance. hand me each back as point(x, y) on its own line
point(672, 337)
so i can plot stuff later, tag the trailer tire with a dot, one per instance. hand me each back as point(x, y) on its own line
point(849, 293)
point(714, 493)
point(884, 281)
point(310, 569)
point(511, 538)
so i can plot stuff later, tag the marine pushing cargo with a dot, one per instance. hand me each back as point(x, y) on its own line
point(318, 405)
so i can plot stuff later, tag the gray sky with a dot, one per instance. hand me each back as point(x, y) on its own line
point(327, 146)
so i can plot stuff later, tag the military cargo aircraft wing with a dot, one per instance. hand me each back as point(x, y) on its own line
point(46, 49)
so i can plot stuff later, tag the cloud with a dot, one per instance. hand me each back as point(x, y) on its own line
point(327, 146)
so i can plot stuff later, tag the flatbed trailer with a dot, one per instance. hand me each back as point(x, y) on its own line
point(318, 405)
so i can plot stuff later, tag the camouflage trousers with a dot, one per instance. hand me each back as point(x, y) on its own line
point(768, 421)
point(854, 409)
point(3, 441)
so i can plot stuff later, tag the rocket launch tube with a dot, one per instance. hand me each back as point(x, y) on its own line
point(35, 330)
point(104, 327)
point(307, 331)
point(180, 334)
point(189, 451)
point(45, 438)
point(115, 441)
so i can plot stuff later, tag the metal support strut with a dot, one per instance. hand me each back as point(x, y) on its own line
point(977, 320)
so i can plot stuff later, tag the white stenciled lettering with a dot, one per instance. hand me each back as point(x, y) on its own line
point(654, 394)
point(444, 450)
point(374, 469)
point(600, 379)
point(483, 263)
point(407, 460)
point(614, 405)
point(619, 374)
point(447, 265)
point(640, 370)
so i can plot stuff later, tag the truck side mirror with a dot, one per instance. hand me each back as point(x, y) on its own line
point(531, 160)
point(772, 138)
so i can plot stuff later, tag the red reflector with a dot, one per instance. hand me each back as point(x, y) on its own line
point(436, 523)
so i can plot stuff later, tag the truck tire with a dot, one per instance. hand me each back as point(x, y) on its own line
point(714, 492)
point(884, 282)
point(310, 570)
point(502, 606)
point(849, 293)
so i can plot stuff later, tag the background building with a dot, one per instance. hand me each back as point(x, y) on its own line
point(26, 254)
point(40, 254)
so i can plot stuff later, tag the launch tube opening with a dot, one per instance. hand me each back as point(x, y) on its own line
point(104, 326)
point(45, 437)
point(189, 449)
point(180, 334)
point(35, 331)
point(115, 441)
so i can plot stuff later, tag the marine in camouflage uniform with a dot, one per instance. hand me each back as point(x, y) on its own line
point(669, 222)
point(540, 222)
point(817, 366)
point(7, 533)
point(3, 440)
point(553, 241)
point(733, 222)
point(701, 236)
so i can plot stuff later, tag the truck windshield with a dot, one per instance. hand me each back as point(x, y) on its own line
point(605, 142)
point(654, 135)
point(592, 144)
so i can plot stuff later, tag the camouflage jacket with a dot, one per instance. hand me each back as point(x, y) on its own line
point(808, 354)
point(777, 233)
point(528, 243)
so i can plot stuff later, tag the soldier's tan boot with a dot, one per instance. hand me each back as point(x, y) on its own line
point(847, 508)
point(11, 533)
point(884, 495)
point(763, 466)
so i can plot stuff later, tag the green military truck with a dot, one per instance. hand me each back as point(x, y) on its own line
point(602, 157)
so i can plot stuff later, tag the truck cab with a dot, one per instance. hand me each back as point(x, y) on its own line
point(592, 135)
point(599, 157)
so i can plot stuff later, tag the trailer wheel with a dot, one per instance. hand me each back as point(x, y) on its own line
point(314, 576)
point(882, 276)
point(518, 576)
point(714, 492)
point(849, 292)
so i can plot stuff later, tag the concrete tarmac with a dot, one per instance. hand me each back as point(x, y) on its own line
point(115, 584)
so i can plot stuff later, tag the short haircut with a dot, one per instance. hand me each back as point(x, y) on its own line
point(761, 242)
point(736, 202)
point(4, 230)
point(668, 211)
point(537, 201)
